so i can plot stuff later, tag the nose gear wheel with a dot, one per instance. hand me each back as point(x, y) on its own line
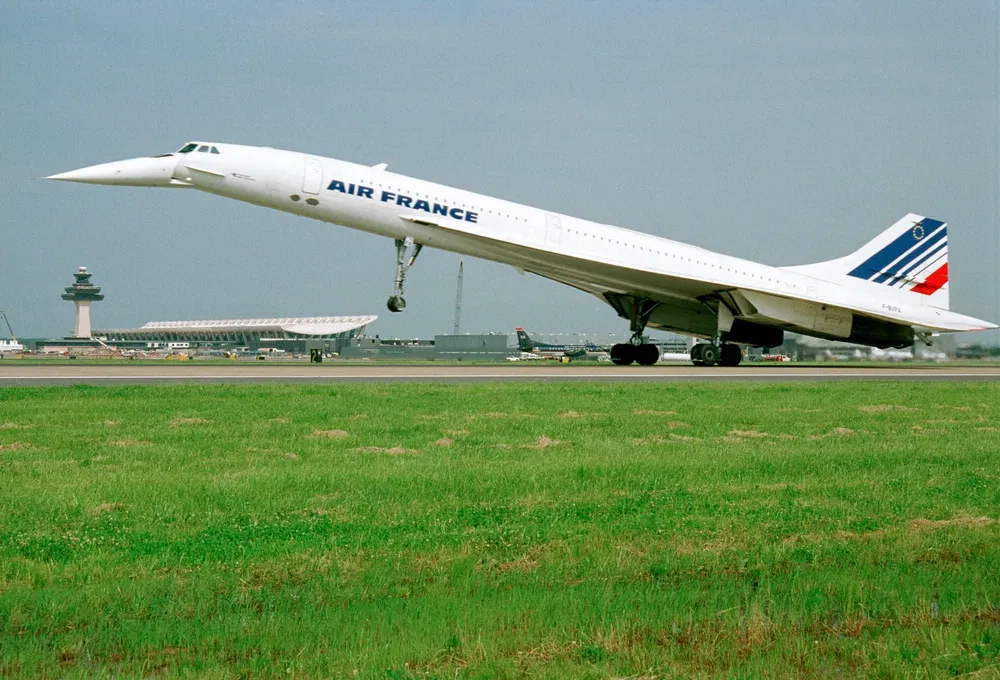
point(396, 302)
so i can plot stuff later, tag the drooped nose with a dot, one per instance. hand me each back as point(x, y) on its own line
point(134, 172)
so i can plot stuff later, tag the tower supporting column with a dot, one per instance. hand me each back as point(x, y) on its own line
point(82, 327)
point(82, 294)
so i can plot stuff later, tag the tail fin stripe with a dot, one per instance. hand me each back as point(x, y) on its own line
point(934, 282)
point(923, 245)
point(931, 266)
point(918, 263)
point(876, 264)
point(922, 248)
point(911, 255)
point(903, 280)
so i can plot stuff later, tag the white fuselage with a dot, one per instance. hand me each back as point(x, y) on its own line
point(597, 258)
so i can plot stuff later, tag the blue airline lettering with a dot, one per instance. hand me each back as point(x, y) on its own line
point(403, 200)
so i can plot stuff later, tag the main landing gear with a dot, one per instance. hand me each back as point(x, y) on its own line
point(710, 354)
point(638, 310)
point(396, 302)
point(635, 351)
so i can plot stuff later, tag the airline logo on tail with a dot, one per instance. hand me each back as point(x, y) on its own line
point(916, 260)
point(524, 342)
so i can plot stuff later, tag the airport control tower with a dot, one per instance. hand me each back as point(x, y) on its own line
point(82, 293)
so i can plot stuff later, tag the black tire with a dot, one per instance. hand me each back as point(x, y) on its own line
point(622, 354)
point(696, 354)
point(709, 355)
point(647, 354)
point(731, 355)
point(396, 303)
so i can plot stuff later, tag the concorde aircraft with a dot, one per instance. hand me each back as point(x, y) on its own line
point(892, 290)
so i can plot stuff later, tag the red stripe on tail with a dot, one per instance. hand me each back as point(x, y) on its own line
point(934, 282)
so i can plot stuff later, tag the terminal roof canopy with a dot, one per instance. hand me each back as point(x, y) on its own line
point(320, 324)
point(293, 326)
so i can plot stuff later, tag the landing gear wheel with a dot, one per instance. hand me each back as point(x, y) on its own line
point(705, 354)
point(647, 354)
point(696, 355)
point(623, 354)
point(709, 355)
point(396, 303)
point(731, 355)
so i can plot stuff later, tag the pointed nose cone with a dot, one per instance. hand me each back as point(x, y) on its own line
point(136, 172)
point(95, 174)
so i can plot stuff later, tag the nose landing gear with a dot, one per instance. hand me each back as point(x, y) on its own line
point(396, 302)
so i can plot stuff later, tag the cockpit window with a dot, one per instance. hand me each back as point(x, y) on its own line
point(195, 146)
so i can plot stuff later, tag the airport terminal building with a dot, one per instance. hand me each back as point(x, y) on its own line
point(292, 334)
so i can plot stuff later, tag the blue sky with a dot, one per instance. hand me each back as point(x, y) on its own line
point(782, 134)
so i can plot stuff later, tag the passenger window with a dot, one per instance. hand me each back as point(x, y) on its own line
point(203, 148)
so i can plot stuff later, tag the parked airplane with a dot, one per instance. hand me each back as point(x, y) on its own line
point(890, 291)
point(577, 351)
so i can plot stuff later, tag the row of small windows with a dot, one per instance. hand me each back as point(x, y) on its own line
point(707, 264)
point(579, 233)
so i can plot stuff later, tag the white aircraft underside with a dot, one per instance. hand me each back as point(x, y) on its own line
point(893, 288)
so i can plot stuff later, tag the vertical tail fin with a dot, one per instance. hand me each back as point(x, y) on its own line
point(524, 342)
point(911, 255)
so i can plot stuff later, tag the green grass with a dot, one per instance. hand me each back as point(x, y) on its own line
point(501, 530)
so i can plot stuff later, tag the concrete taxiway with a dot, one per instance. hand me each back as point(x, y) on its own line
point(12, 374)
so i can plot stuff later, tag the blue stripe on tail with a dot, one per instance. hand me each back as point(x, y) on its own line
point(915, 265)
point(878, 263)
point(928, 244)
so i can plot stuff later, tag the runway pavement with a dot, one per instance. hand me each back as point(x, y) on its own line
point(12, 374)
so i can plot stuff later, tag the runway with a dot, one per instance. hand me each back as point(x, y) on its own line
point(12, 374)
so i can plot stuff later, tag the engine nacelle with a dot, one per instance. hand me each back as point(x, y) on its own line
point(881, 334)
point(753, 334)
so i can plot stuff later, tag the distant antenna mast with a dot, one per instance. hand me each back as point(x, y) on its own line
point(4, 315)
point(458, 300)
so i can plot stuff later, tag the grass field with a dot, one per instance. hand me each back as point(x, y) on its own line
point(501, 530)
